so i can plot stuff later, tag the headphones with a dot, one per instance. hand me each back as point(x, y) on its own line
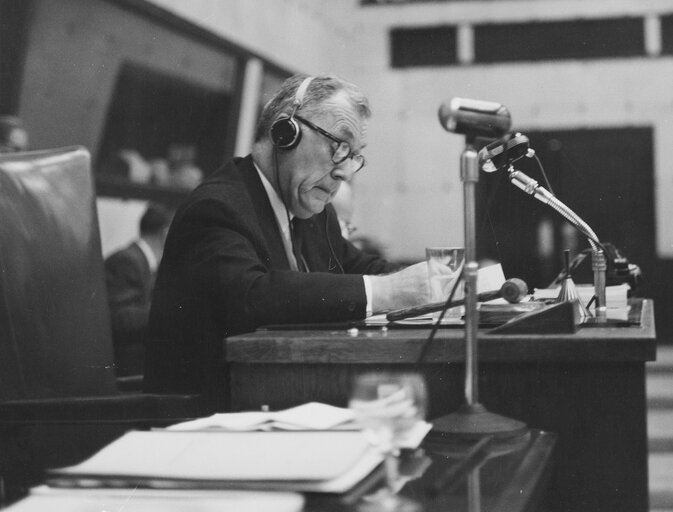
point(285, 131)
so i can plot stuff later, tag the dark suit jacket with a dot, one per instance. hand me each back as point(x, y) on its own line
point(129, 286)
point(224, 271)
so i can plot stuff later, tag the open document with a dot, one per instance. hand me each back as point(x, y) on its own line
point(309, 416)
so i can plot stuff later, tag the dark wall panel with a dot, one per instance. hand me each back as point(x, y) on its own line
point(667, 34)
point(427, 46)
point(571, 39)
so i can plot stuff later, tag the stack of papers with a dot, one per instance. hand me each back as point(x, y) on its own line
point(320, 461)
point(156, 500)
point(314, 447)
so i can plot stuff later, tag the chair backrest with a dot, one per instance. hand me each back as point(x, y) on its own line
point(55, 336)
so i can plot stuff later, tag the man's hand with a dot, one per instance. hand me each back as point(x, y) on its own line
point(406, 288)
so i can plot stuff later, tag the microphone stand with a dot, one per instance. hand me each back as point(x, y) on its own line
point(598, 260)
point(472, 420)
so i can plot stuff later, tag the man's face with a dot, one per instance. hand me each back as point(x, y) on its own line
point(308, 177)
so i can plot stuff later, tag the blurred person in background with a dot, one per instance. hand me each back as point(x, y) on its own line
point(344, 205)
point(130, 275)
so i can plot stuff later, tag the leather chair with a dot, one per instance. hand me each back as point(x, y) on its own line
point(59, 398)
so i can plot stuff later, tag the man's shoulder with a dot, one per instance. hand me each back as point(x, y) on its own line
point(227, 182)
point(230, 191)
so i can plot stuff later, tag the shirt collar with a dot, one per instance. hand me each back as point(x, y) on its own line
point(149, 254)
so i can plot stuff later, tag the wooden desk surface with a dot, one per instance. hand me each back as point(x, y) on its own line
point(403, 345)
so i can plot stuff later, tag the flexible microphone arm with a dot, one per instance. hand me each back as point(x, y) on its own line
point(513, 290)
point(598, 261)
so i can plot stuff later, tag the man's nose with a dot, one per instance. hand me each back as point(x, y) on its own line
point(344, 171)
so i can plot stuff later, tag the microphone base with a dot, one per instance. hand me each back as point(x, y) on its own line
point(473, 422)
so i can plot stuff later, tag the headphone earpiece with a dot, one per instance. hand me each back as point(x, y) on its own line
point(285, 131)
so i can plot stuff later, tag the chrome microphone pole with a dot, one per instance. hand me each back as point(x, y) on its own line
point(469, 170)
point(472, 420)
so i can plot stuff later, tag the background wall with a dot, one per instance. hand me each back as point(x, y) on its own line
point(410, 195)
point(413, 164)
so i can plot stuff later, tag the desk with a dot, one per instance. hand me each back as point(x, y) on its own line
point(588, 387)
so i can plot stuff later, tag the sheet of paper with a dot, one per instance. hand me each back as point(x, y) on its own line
point(490, 278)
point(309, 416)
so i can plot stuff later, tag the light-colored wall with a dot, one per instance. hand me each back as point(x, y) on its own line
point(119, 221)
point(410, 196)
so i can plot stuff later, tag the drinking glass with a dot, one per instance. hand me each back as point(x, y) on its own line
point(440, 259)
point(388, 406)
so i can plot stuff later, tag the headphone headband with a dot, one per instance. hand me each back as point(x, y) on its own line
point(301, 92)
point(285, 131)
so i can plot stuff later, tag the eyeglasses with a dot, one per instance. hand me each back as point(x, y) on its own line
point(343, 150)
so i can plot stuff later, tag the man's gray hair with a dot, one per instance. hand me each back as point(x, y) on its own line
point(321, 88)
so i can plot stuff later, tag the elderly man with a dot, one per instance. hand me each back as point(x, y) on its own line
point(258, 242)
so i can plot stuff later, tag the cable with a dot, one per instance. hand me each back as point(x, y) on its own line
point(435, 326)
point(543, 173)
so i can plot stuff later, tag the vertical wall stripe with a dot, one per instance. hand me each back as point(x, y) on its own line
point(252, 87)
point(652, 35)
point(465, 43)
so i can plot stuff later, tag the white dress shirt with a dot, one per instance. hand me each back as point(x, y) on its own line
point(282, 215)
point(149, 254)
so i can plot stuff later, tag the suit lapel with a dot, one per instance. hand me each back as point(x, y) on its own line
point(267, 218)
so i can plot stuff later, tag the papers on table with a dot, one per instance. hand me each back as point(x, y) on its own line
point(320, 461)
point(309, 416)
point(156, 500)
point(238, 451)
point(616, 296)
point(489, 278)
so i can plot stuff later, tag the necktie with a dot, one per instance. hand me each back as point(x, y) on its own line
point(296, 235)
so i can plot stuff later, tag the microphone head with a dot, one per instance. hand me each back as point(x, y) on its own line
point(475, 117)
point(514, 290)
point(503, 152)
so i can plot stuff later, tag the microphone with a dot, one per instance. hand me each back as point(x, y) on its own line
point(504, 152)
point(475, 117)
point(531, 186)
point(512, 290)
